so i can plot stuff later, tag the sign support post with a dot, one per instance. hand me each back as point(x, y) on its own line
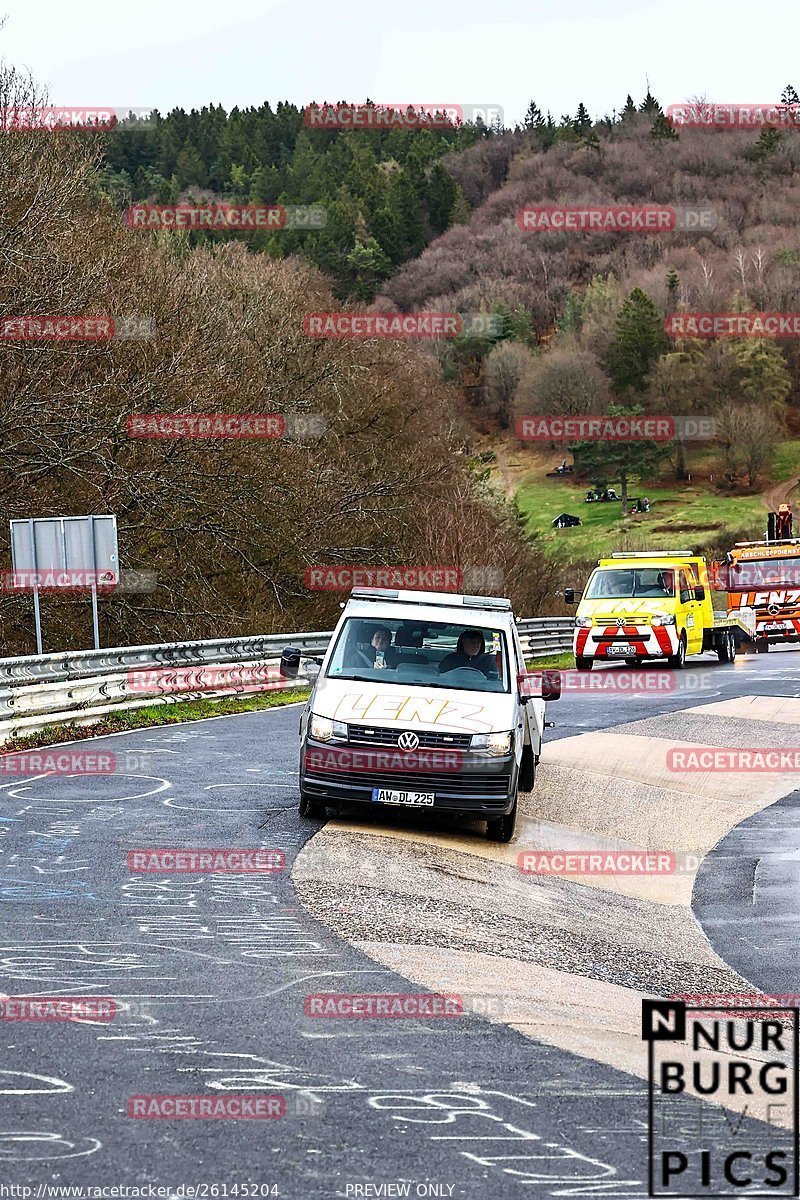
point(37, 616)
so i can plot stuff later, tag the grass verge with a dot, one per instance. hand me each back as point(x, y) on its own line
point(684, 516)
point(155, 714)
point(563, 660)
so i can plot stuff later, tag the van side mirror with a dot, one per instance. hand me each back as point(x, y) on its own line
point(700, 592)
point(569, 595)
point(290, 663)
point(551, 685)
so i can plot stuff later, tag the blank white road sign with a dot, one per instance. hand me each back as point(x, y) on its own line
point(73, 544)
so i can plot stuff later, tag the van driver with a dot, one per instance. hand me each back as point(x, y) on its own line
point(470, 651)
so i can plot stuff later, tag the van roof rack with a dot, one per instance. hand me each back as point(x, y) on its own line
point(766, 544)
point(438, 599)
point(655, 554)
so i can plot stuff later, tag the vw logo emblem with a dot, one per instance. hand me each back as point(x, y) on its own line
point(620, 622)
point(408, 741)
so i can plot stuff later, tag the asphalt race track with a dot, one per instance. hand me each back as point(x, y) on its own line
point(211, 971)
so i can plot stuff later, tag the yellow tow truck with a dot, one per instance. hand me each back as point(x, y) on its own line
point(653, 606)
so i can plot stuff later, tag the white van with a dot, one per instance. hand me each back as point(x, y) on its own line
point(422, 699)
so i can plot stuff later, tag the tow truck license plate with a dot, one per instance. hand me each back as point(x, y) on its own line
point(385, 796)
point(620, 648)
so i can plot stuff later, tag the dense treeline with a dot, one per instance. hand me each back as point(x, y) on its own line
point(584, 311)
point(385, 192)
point(228, 526)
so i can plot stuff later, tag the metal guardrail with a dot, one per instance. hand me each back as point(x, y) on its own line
point(82, 686)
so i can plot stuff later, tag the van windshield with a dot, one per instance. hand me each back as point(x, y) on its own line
point(642, 582)
point(465, 657)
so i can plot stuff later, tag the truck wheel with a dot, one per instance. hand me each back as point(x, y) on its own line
point(501, 829)
point(312, 807)
point(527, 770)
point(762, 646)
point(727, 648)
point(678, 661)
point(584, 664)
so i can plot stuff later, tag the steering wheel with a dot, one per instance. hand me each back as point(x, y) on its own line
point(460, 668)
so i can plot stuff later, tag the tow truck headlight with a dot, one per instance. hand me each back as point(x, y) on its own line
point(325, 730)
point(664, 619)
point(583, 622)
point(495, 743)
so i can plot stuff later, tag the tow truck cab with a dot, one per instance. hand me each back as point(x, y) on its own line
point(422, 700)
point(765, 576)
point(648, 606)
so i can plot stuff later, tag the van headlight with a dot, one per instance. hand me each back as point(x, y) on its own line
point(583, 622)
point(325, 730)
point(663, 619)
point(494, 743)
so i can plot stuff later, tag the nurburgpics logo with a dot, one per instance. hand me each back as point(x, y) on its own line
point(743, 1062)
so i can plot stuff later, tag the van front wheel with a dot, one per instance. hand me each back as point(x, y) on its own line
point(501, 829)
point(726, 653)
point(527, 770)
point(312, 807)
point(678, 661)
point(584, 664)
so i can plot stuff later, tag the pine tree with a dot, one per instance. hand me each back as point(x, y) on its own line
point(629, 109)
point(673, 288)
point(662, 131)
point(406, 203)
point(619, 461)
point(533, 117)
point(441, 191)
point(366, 266)
point(639, 341)
point(650, 104)
point(582, 120)
point(767, 143)
point(789, 95)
